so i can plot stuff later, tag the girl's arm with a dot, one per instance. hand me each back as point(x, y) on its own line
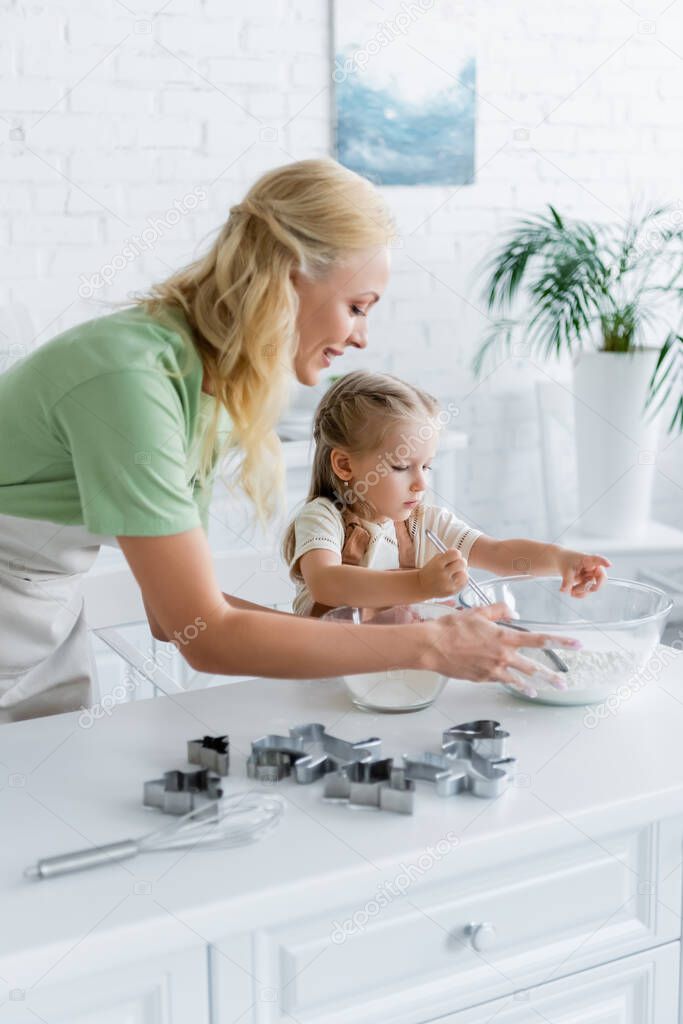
point(580, 572)
point(517, 555)
point(334, 584)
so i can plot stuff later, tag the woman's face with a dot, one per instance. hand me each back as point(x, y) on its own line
point(333, 311)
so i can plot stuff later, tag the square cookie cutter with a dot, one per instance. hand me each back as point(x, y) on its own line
point(308, 753)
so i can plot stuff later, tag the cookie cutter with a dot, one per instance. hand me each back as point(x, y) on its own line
point(488, 777)
point(308, 753)
point(379, 784)
point(485, 736)
point(448, 774)
point(181, 792)
point(473, 759)
point(481, 776)
point(212, 752)
point(272, 758)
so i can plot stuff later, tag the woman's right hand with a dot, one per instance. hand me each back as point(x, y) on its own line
point(471, 645)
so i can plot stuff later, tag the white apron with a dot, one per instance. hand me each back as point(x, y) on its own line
point(45, 656)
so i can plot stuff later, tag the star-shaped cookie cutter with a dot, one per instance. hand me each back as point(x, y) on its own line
point(181, 792)
point(212, 752)
point(378, 784)
point(308, 753)
point(472, 759)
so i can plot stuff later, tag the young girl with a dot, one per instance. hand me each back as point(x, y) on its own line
point(365, 513)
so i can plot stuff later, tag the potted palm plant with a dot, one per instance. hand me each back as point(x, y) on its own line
point(610, 296)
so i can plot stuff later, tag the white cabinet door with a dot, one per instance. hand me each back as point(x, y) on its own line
point(459, 942)
point(640, 989)
point(167, 990)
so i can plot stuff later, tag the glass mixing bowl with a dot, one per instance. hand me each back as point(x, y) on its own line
point(619, 627)
point(398, 689)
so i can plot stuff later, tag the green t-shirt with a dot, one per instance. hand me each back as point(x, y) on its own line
point(95, 432)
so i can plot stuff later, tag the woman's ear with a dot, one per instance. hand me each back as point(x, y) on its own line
point(341, 465)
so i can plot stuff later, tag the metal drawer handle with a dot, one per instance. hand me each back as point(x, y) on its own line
point(481, 936)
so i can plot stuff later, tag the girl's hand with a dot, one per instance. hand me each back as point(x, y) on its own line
point(443, 575)
point(471, 645)
point(581, 573)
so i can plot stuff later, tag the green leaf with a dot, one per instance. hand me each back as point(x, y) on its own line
point(667, 380)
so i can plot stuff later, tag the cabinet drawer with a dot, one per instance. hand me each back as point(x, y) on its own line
point(640, 989)
point(411, 957)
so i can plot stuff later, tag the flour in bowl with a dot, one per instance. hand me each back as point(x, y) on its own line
point(401, 690)
point(590, 669)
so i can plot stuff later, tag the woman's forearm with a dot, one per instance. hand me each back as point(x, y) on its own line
point(239, 602)
point(337, 585)
point(240, 642)
point(178, 582)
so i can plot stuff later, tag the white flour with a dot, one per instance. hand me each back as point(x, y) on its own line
point(590, 669)
point(394, 691)
point(589, 672)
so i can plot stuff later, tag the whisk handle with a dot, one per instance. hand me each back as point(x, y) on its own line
point(50, 867)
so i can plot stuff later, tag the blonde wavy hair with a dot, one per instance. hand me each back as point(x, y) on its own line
point(355, 415)
point(241, 303)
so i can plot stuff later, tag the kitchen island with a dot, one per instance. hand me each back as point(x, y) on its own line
point(558, 901)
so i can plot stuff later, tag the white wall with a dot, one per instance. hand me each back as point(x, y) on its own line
point(113, 113)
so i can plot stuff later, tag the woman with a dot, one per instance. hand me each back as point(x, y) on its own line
point(116, 425)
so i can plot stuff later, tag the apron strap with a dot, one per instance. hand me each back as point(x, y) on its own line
point(356, 540)
point(406, 545)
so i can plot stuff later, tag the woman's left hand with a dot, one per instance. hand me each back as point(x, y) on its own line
point(581, 573)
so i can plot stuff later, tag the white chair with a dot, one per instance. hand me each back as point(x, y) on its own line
point(115, 611)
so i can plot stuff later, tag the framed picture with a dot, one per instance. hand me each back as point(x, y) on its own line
point(404, 89)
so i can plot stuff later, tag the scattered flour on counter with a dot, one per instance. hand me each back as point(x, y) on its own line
point(588, 669)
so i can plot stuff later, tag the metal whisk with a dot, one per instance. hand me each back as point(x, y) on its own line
point(232, 821)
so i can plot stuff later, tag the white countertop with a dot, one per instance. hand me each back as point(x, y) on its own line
point(64, 787)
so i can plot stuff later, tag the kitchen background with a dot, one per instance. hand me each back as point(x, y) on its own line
point(124, 119)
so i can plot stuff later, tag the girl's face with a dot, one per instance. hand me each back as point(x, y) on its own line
point(394, 479)
point(333, 311)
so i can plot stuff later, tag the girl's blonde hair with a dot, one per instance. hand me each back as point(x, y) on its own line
point(241, 304)
point(355, 415)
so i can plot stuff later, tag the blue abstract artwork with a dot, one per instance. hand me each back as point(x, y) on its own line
point(404, 74)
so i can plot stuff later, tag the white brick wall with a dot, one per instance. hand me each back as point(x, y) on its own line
point(109, 117)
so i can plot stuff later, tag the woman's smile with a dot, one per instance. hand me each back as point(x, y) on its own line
point(329, 354)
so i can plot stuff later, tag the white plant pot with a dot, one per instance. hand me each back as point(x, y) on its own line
point(616, 443)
